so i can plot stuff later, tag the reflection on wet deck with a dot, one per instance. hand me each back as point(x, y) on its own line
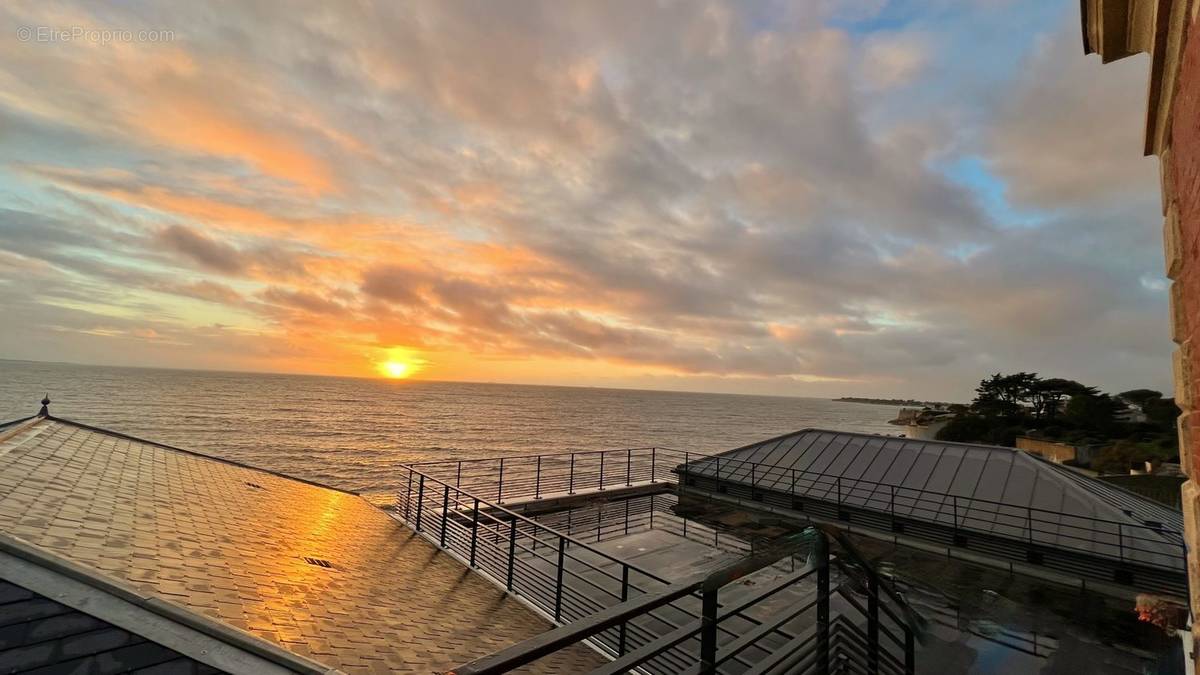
point(982, 621)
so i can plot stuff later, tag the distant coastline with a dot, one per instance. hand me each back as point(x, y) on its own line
point(892, 401)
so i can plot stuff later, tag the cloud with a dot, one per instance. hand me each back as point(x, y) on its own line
point(203, 250)
point(764, 194)
point(893, 60)
point(1071, 131)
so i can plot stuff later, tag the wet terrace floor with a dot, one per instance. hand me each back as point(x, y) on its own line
point(980, 621)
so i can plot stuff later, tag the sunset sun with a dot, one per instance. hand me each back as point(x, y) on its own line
point(395, 369)
point(398, 363)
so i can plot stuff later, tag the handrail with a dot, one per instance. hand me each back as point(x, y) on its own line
point(787, 471)
point(541, 527)
point(1030, 520)
point(540, 454)
point(723, 466)
point(536, 647)
point(511, 519)
point(709, 584)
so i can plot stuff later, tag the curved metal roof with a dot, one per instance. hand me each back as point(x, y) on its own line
point(981, 487)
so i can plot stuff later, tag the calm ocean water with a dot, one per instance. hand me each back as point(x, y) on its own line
point(353, 433)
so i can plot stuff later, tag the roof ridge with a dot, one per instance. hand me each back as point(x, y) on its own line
point(10, 429)
point(1082, 483)
point(129, 437)
point(867, 434)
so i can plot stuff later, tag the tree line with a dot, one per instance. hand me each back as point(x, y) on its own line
point(1007, 406)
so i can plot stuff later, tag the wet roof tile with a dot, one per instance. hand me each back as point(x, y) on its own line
point(321, 572)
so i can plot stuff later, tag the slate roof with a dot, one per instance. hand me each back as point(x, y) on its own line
point(317, 571)
point(989, 488)
point(40, 636)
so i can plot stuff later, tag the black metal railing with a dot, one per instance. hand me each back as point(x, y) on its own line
point(522, 480)
point(559, 575)
point(874, 638)
point(516, 478)
point(1152, 544)
point(601, 521)
point(563, 577)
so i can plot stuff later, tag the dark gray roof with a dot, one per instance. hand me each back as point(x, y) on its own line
point(39, 635)
point(300, 575)
point(992, 489)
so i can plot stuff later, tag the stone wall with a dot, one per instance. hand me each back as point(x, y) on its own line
point(1055, 452)
point(1180, 166)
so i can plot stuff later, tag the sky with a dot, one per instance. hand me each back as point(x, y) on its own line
point(814, 198)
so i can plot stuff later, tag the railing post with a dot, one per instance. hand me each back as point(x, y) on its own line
point(1120, 542)
point(839, 491)
point(910, 652)
point(420, 500)
point(458, 475)
point(624, 597)
point(537, 485)
point(753, 479)
point(628, 467)
point(793, 481)
point(571, 483)
point(445, 514)
point(602, 454)
point(892, 506)
point(954, 504)
point(708, 631)
point(822, 551)
point(408, 497)
point(512, 552)
point(562, 549)
point(653, 463)
point(872, 622)
point(500, 484)
point(474, 530)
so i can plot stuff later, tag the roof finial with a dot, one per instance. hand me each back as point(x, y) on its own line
point(45, 411)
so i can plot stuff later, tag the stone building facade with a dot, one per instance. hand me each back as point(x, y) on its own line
point(1168, 31)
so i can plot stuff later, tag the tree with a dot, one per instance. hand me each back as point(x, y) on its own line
point(1162, 413)
point(1118, 457)
point(1139, 397)
point(1002, 395)
point(1053, 391)
point(1092, 412)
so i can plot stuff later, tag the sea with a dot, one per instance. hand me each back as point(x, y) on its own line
point(355, 433)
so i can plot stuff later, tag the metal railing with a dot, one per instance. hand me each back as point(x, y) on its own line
point(524, 477)
point(821, 639)
point(527, 479)
point(1151, 544)
point(563, 577)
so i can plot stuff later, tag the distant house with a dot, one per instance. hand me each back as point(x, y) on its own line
point(1132, 414)
point(922, 423)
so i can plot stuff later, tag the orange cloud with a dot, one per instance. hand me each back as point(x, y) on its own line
point(184, 120)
